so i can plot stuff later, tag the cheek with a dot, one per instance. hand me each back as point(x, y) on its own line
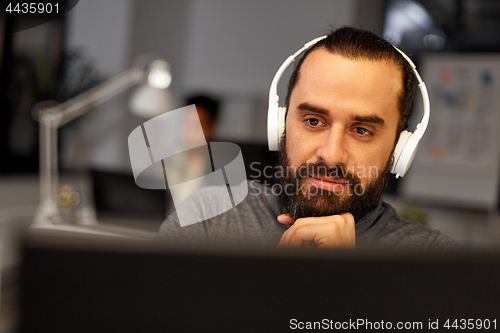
point(297, 147)
point(372, 163)
point(366, 157)
point(385, 152)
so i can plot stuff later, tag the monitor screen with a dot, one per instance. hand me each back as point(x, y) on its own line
point(76, 284)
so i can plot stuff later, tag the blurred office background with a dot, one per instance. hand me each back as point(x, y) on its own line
point(231, 50)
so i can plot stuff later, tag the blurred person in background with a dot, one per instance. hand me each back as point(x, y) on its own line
point(191, 164)
point(208, 112)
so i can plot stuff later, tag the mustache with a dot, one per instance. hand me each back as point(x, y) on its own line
point(336, 172)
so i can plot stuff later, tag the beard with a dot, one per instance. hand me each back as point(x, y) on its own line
point(300, 199)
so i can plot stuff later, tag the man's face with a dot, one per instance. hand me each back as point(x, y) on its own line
point(340, 130)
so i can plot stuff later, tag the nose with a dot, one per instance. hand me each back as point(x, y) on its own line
point(333, 148)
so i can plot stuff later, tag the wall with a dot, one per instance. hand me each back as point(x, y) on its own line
point(234, 49)
point(100, 32)
point(229, 48)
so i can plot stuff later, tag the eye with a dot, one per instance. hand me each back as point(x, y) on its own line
point(313, 122)
point(362, 131)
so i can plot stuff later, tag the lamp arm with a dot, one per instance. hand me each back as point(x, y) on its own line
point(54, 117)
point(84, 102)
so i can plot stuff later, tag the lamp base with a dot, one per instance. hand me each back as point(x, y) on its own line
point(47, 213)
point(86, 216)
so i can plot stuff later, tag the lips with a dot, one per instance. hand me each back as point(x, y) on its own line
point(328, 183)
point(330, 179)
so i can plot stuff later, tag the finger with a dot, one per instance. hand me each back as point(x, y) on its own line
point(299, 224)
point(334, 235)
point(293, 236)
point(348, 217)
point(312, 229)
point(285, 219)
point(285, 238)
point(320, 219)
point(303, 235)
point(281, 239)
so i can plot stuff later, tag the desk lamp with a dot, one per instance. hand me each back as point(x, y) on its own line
point(152, 98)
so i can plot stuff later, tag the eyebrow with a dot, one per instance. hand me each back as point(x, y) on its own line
point(374, 120)
point(312, 108)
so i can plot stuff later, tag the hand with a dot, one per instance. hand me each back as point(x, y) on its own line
point(324, 231)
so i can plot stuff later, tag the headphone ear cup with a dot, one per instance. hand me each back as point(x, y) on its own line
point(275, 126)
point(404, 153)
point(281, 122)
point(272, 126)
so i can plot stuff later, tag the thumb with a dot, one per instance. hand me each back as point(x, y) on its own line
point(285, 219)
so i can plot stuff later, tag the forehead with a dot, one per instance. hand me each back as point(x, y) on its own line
point(351, 85)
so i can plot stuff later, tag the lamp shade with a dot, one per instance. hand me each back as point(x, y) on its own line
point(153, 98)
point(149, 102)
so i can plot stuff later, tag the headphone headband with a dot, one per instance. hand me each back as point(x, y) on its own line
point(407, 144)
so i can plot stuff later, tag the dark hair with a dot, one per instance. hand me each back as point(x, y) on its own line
point(209, 103)
point(358, 44)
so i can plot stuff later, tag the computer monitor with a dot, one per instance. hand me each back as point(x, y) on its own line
point(76, 284)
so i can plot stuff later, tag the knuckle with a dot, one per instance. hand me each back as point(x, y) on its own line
point(348, 216)
point(299, 231)
point(335, 227)
point(301, 221)
point(338, 220)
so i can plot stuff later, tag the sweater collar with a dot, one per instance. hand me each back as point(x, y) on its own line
point(369, 219)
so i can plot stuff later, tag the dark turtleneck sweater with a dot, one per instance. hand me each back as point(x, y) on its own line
point(254, 221)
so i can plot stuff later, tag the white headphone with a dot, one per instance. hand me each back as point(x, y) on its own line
point(407, 144)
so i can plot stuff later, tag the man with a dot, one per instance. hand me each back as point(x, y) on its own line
point(208, 112)
point(348, 99)
point(193, 163)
